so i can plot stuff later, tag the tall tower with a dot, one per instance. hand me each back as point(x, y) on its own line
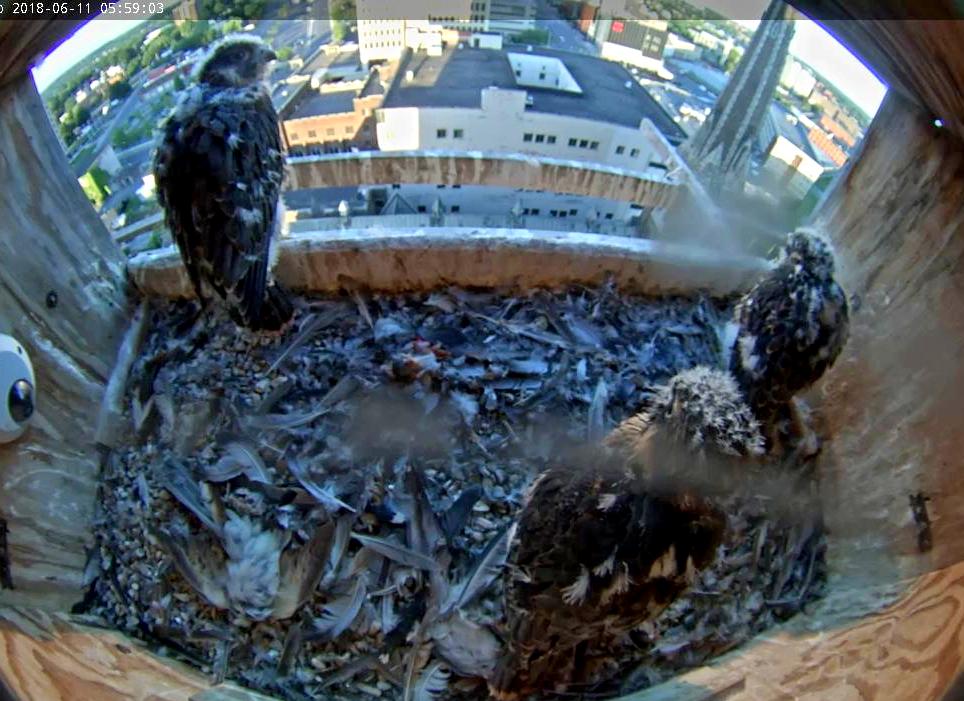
point(720, 150)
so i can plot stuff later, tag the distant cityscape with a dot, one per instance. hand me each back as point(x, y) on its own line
point(564, 81)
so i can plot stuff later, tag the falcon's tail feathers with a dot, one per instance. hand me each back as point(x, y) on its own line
point(276, 309)
point(262, 306)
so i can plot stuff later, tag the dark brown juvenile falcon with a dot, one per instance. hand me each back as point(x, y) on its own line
point(607, 541)
point(218, 171)
point(791, 327)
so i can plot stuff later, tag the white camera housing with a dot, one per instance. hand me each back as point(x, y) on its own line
point(17, 389)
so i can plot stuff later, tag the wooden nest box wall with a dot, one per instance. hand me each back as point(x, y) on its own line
point(890, 625)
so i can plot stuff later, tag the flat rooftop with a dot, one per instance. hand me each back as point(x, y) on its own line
point(332, 61)
point(795, 133)
point(312, 103)
point(457, 77)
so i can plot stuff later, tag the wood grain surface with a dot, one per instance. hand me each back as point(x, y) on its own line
point(892, 401)
point(910, 651)
point(52, 241)
point(47, 657)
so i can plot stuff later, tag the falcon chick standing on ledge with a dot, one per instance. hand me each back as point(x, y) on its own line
point(791, 327)
point(219, 169)
point(606, 543)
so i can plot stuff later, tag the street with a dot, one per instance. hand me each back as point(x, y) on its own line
point(562, 35)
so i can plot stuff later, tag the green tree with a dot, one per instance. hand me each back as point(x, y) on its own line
point(95, 185)
point(531, 36)
point(284, 53)
point(732, 60)
point(343, 13)
point(119, 90)
point(179, 83)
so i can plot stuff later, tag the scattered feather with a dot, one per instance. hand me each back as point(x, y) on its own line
point(432, 683)
point(483, 572)
point(324, 496)
point(176, 479)
point(457, 515)
point(597, 411)
point(397, 553)
point(240, 456)
point(301, 571)
point(340, 613)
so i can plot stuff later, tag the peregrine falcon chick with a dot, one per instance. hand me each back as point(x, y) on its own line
point(607, 540)
point(219, 169)
point(790, 328)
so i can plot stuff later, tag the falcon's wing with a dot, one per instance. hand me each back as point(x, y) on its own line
point(219, 171)
point(792, 328)
point(590, 559)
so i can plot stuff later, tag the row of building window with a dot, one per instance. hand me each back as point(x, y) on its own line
point(454, 209)
point(584, 143)
point(398, 186)
point(561, 213)
point(620, 150)
point(539, 138)
point(443, 133)
point(312, 134)
point(478, 7)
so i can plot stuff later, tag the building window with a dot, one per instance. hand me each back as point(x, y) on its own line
point(572, 142)
point(396, 186)
point(348, 130)
point(550, 139)
point(634, 152)
point(535, 211)
point(518, 74)
point(456, 187)
point(421, 209)
point(620, 150)
point(458, 133)
point(594, 145)
point(330, 131)
point(311, 134)
point(454, 209)
point(542, 76)
point(572, 212)
point(527, 137)
point(583, 143)
point(440, 187)
point(553, 212)
point(540, 138)
point(562, 214)
point(609, 215)
point(440, 133)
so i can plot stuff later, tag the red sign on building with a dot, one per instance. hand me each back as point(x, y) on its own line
point(617, 27)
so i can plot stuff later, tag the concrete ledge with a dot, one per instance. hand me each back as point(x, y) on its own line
point(651, 187)
point(422, 259)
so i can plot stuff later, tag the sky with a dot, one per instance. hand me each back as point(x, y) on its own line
point(815, 47)
point(811, 44)
point(81, 44)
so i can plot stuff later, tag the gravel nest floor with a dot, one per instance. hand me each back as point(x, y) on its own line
point(380, 429)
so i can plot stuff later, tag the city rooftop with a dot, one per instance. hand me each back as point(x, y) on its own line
point(457, 77)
